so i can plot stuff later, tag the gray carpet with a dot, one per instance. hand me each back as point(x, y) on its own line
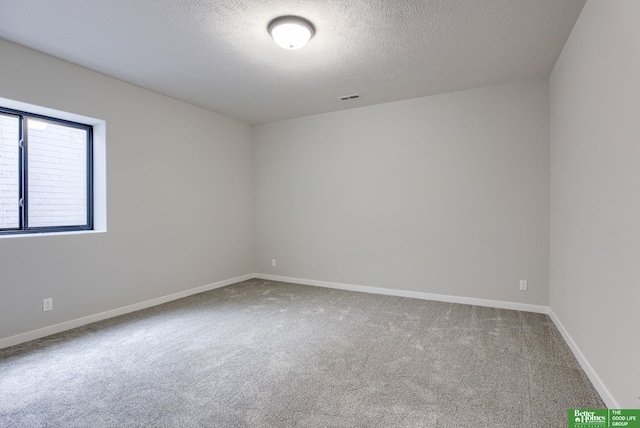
point(270, 354)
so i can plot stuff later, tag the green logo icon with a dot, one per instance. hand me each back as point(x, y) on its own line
point(603, 418)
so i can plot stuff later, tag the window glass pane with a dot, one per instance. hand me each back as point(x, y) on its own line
point(9, 172)
point(57, 168)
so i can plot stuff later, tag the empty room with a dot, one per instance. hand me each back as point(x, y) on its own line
point(415, 213)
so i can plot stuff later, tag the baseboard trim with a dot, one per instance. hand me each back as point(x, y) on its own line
point(604, 392)
point(413, 294)
point(68, 325)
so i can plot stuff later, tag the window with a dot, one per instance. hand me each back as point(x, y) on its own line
point(46, 174)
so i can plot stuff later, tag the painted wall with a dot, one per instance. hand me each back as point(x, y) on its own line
point(180, 200)
point(595, 193)
point(446, 194)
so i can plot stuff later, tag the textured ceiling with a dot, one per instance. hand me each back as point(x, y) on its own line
point(218, 54)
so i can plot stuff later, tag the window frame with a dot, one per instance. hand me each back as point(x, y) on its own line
point(23, 200)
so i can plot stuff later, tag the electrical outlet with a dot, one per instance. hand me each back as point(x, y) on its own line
point(47, 304)
point(523, 285)
point(273, 262)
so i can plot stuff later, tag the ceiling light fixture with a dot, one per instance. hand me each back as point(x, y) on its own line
point(291, 32)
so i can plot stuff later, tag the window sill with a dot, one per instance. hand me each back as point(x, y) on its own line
point(33, 235)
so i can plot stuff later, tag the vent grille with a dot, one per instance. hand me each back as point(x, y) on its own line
point(349, 97)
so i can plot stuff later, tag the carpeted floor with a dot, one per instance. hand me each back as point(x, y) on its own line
point(270, 354)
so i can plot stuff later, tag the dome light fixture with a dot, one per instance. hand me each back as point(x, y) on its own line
point(291, 32)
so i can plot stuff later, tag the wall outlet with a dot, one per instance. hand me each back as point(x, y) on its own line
point(47, 304)
point(273, 262)
point(523, 285)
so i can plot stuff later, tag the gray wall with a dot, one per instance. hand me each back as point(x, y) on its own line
point(446, 194)
point(595, 188)
point(180, 200)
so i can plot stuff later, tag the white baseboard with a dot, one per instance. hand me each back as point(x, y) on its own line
point(414, 294)
point(606, 396)
point(68, 325)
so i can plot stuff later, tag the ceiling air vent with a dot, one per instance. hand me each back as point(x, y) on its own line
point(349, 97)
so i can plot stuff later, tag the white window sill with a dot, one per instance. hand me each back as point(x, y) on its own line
point(34, 235)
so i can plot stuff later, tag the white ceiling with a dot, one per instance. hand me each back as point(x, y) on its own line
point(218, 54)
